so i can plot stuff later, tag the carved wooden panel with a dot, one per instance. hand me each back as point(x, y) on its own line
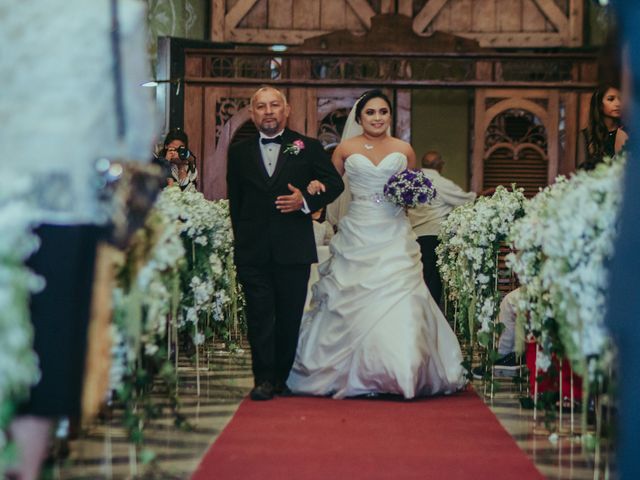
point(494, 23)
point(504, 23)
point(216, 119)
point(289, 21)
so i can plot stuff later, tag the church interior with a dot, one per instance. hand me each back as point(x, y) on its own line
point(502, 93)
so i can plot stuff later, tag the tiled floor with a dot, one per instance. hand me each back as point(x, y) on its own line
point(560, 456)
point(103, 452)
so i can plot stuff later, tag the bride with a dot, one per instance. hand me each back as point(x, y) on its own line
point(373, 327)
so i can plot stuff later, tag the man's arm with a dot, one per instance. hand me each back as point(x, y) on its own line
point(452, 194)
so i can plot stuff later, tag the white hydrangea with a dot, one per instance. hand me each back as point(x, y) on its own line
point(563, 244)
point(470, 238)
point(188, 272)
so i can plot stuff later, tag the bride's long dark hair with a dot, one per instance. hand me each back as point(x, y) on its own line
point(368, 95)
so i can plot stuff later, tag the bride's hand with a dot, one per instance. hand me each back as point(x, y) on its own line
point(316, 187)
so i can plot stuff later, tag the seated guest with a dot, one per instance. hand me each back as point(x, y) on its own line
point(426, 219)
point(507, 362)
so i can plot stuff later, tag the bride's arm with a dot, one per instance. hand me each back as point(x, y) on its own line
point(338, 159)
point(411, 158)
point(407, 149)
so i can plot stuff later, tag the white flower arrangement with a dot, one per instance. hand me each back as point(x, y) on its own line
point(206, 231)
point(178, 271)
point(562, 247)
point(470, 239)
point(187, 274)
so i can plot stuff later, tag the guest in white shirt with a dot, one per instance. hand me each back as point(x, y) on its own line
point(426, 219)
point(507, 360)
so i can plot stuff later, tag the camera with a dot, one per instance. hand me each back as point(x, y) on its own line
point(185, 154)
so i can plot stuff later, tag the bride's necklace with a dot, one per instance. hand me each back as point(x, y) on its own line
point(370, 145)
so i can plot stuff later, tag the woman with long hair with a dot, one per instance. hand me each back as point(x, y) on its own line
point(604, 136)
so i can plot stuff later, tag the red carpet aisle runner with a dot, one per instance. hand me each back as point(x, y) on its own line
point(305, 438)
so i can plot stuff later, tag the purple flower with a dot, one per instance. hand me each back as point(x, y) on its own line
point(409, 189)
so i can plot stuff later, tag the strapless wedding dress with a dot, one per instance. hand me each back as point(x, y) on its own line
point(373, 326)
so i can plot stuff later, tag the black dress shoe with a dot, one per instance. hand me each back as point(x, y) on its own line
point(262, 391)
point(282, 390)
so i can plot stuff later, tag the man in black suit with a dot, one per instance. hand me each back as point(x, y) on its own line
point(267, 178)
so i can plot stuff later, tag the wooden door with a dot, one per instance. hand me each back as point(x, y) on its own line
point(516, 139)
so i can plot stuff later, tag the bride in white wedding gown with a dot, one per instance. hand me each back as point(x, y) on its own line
point(373, 326)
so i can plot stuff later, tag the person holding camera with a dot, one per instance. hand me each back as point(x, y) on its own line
point(177, 160)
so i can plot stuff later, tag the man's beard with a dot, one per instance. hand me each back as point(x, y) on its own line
point(270, 130)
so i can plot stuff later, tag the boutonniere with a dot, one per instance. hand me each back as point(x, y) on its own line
point(294, 148)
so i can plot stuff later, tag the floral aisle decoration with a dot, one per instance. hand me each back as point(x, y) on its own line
point(178, 272)
point(147, 293)
point(211, 297)
point(563, 245)
point(18, 362)
point(534, 307)
point(470, 240)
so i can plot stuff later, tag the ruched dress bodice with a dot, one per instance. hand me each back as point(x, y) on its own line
point(367, 181)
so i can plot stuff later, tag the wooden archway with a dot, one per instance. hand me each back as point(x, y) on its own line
point(489, 104)
point(216, 174)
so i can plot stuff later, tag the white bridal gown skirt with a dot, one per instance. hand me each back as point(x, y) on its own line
point(373, 327)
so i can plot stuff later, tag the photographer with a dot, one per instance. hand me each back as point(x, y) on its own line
point(178, 161)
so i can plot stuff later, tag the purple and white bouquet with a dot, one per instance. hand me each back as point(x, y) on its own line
point(409, 188)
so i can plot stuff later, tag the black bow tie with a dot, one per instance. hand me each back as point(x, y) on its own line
point(266, 141)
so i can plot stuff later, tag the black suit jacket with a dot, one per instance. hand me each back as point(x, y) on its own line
point(262, 233)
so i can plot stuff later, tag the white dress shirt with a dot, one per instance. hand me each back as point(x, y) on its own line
point(270, 153)
point(426, 219)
